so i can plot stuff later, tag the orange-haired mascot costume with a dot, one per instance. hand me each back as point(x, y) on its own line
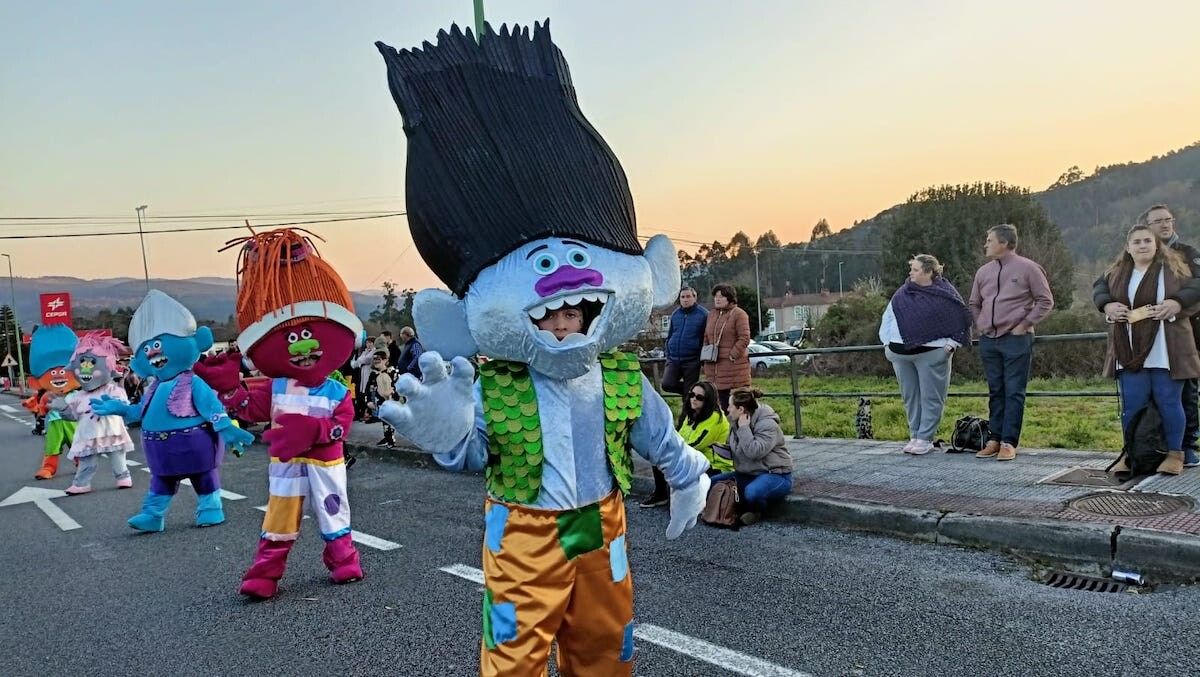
point(49, 354)
point(298, 326)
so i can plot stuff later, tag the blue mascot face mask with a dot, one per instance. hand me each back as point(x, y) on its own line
point(166, 356)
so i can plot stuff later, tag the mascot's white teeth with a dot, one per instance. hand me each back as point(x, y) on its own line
point(58, 383)
point(539, 311)
point(158, 361)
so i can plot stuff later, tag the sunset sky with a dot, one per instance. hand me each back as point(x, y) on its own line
point(726, 116)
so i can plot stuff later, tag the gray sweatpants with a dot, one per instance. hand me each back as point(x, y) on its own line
point(88, 464)
point(924, 380)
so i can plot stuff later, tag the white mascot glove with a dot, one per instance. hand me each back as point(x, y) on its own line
point(686, 506)
point(439, 410)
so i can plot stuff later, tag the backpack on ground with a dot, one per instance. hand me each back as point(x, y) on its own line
point(970, 434)
point(1145, 444)
point(720, 508)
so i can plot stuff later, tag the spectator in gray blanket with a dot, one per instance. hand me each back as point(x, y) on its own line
point(923, 324)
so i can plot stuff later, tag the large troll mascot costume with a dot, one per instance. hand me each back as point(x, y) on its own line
point(184, 426)
point(49, 354)
point(298, 326)
point(521, 208)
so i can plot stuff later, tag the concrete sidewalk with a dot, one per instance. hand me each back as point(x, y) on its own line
point(957, 499)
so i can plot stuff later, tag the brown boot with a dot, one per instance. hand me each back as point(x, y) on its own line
point(1172, 464)
point(49, 467)
point(1007, 452)
point(1120, 467)
point(989, 450)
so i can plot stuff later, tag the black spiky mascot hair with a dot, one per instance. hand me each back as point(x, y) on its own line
point(499, 153)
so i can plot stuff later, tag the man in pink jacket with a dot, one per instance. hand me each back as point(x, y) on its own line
point(1009, 296)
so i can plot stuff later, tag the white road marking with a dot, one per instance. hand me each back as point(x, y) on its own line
point(42, 499)
point(225, 494)
point(359, 537)
point(11, 410)
point(733, 661)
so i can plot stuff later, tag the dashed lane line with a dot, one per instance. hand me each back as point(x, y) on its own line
point(733, 661)
point(9, 409)
point(225, 493)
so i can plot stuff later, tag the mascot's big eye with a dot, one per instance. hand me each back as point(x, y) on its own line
point(157, 345)
point(545, 264)
point(292, 338)
point(305, 334)
point(578, 258)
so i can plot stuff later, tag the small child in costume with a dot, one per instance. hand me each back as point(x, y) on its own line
point(49, 354)
point(184, 426)
point(93, 363)
point(297, 326)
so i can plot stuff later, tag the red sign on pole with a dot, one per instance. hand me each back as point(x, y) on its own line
point(56, 308)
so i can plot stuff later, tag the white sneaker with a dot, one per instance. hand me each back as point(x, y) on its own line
point(921, 447)
point(910, 446)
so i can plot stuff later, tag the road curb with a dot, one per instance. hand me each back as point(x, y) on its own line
point(1077, 543)
point(912, 523)
point(1160, 553)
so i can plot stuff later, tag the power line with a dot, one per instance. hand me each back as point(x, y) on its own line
point(199, 230)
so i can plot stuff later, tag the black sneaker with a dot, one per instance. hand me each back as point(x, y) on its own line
point(749, 517)
point(350, 460)
point(655, 500)
point(383, 443)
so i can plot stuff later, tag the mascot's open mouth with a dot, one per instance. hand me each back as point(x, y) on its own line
point(306, 361)
point(59, 383)
point(592, 303)
point(85, 378)
point(158, 361)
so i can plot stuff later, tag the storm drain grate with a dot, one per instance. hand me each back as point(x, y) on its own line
point(1109, 504)
point(1069, 581)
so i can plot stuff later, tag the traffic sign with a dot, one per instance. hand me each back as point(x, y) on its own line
point(9, 361)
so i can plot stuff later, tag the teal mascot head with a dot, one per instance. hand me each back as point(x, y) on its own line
point(165, 339)
point(503, 163)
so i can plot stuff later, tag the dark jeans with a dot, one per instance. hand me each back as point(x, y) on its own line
point(1006, 362)
point(1191, 400)
point(1141, 386)
point(679, 376)
point(755, 491)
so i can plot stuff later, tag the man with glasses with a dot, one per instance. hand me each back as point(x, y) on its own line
point(1162, 222)
point(685, 336)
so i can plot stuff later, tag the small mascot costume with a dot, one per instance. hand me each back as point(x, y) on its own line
point(184, 426)
point(49, 354)
point(94, 364)
point(520, 207)
point(298, 326)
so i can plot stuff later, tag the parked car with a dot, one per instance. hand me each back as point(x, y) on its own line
point(792, 337)
point(761, 363)
point(779, 346)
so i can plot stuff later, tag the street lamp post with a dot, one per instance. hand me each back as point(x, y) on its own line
point(12, 290)
point(840, 278)
point(758, 292)
point(141, 236)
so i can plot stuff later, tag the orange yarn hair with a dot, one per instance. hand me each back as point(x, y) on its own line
point(279, 268)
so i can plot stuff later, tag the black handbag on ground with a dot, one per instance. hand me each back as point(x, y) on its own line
point(970, 435)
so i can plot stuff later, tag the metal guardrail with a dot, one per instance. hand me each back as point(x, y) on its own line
point(796, 395)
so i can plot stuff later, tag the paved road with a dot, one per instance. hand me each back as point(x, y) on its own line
point(104, 600)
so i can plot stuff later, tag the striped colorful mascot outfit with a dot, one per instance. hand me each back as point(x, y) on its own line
point(298, 326)
point(503, 164)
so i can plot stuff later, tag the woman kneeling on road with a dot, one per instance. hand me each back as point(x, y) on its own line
point(1151, 350)
point(923, 324)
point(701, 424)
point(761, 462)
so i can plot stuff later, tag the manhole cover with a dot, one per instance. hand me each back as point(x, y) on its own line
point(1131, 505)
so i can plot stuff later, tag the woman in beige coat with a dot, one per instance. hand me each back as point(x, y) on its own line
point(729, 328)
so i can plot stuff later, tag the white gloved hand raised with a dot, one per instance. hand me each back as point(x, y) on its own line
point(686, 506)
point(439, 411)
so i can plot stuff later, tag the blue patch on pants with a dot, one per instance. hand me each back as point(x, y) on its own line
point(618, 559)
point(627, 644)
point(504, 622)
point(494, 522)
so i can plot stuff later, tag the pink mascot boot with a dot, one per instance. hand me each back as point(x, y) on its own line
point(341, 558)
point(262, 578)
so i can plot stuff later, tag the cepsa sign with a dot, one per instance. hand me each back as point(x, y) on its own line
point(56, 308)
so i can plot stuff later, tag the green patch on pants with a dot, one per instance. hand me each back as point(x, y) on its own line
point(580, 531)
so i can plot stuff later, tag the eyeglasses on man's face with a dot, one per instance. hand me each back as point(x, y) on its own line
point(1161, 222)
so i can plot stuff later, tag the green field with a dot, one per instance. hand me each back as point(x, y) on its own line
point(1054, 422)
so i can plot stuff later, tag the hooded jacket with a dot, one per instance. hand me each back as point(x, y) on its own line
point(759, 447)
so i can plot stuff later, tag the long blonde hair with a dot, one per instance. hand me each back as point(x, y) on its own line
point(1163, 254)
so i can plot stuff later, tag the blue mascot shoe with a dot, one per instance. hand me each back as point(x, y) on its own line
point(154, 508)
point(208, 509)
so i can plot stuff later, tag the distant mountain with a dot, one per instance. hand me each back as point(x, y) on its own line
point(209, 298)
point(1093, 211)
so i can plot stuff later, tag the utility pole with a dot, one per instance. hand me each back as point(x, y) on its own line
point(142, 237)
point(840, 279)
point(478, 20)
point(12, 290)
point(758, 291)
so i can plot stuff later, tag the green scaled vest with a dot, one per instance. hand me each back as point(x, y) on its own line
point(514, 470)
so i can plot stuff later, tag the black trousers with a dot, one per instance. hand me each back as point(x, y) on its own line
point(679, 376)
point(1191, 400)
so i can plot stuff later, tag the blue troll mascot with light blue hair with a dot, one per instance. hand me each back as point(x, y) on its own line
point(184, 426)
point(517, 203)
